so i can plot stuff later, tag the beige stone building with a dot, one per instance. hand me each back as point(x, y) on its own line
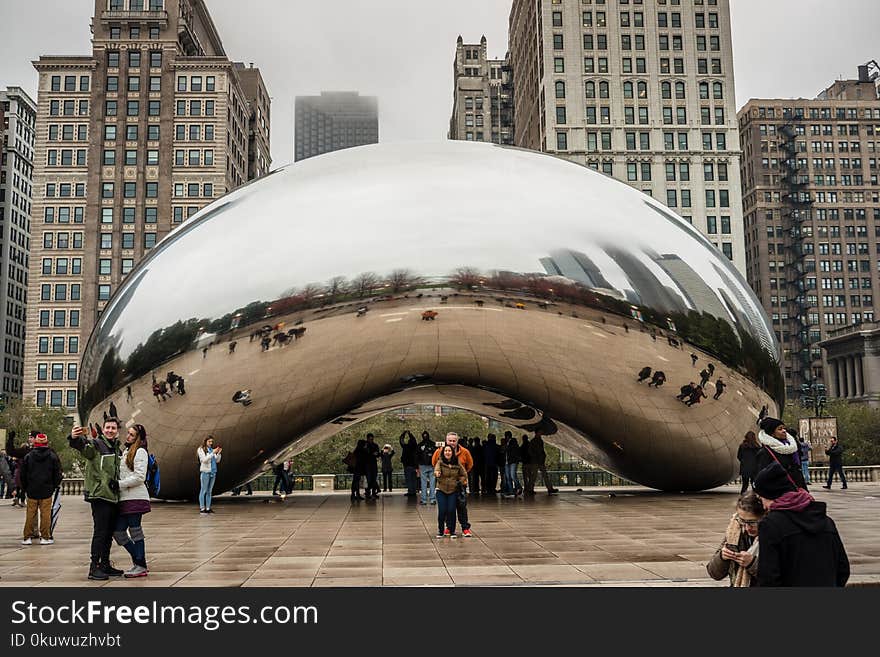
point(812, 216)
point(333, 121)
point(640, 90)
point(852, 357)
point(482, 99)
point(18, 117)
point(131, 140)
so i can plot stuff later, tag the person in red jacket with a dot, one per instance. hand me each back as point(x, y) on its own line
point(467, 461)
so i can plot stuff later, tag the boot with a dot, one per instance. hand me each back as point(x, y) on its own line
point(95, 572)
point(108, 569)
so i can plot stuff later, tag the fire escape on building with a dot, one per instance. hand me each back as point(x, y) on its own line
point(797, 201)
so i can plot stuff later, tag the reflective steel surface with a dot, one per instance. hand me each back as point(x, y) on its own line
point(507, 282)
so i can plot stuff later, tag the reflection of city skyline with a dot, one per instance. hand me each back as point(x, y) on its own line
point(577, 266)
point(696, 292)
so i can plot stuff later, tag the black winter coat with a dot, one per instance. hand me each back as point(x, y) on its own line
point(512, 455)
point(835, 455)
point(525, 456)
point(361, 459)
point(490, 454)
point(386, 457)
point(372, 458)
point(425, 453)
point(409, 455)
point(536, 451)
point(801, 548)
point(787, 461)
point(748, 460)
point(40, 473)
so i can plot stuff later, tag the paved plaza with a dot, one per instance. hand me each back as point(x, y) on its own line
point(635, 538)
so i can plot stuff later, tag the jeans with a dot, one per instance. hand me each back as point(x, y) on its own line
point(530, 473)
point(461, 508)
point(129, 534)
point(839, 470)
point(282, 481)
point(103, 523)
point(446, 511)
point(429, 481)
point(805, 468)
point(512, 480)
point(409, 473)
point(505, 482)
point(207, 479)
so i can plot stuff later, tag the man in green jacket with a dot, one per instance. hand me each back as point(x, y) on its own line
point(101, 490)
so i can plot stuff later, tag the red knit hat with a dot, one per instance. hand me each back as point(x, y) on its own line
point(41, 440)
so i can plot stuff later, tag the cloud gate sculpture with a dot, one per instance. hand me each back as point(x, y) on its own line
point(517, 285)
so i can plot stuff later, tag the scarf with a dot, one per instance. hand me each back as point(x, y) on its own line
point(741, 577)
point(788, 447)
point(796, 500)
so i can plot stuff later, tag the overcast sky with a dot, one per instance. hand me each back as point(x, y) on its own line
point(402, 50)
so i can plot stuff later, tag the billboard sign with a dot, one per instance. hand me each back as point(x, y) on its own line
point(817, 431)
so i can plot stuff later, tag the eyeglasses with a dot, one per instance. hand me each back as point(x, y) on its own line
point(747, 523)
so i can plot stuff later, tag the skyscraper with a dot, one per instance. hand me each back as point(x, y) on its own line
point(333, 121)
point(482, 99)
point(18, 117)
point(131, 140)
point(642, 91)
point(812, 225)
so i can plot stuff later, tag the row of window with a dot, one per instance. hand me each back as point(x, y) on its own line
point(61, 292)
point(134, 32)
point(194, 132)
point(668, 66)
point(58, 345)
point(194, 82)
point(66, 157)
point(722, 200)
point(130, 157)
point(195, 157)
point(847, 113)
point(133, 108)
point(111, 130)
point(68, 108)
point(59, 318)
point(63, 215)
point(637, 19)
point(133, 84)
point(65, 190)
point(69, 132)
point(830, 301)
point(70, 83)
point(670, 139)
point(135, 5)
point(56, 397)
point(129, 190)
point(154, 58)
point(61, 240)
point(195, 108)
point(56, 370)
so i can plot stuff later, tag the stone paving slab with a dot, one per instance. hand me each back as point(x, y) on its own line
point(635, 537)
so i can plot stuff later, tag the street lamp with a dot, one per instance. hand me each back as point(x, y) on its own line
point(813, 396)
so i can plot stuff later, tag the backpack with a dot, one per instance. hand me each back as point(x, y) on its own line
point(152, 479)
point(349, 461)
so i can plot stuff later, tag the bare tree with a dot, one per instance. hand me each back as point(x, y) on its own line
point(402, 279)
point(336, 286)
point(365, 283)
point(466, 277)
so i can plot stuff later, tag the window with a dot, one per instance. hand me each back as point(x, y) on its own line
point(103, 292)
point(71, 373)
point(127, 240)
point(149, 240)
point(43, 345)
point(181, 83)
point(194, 157)
point(156, 59)
point(129, 190)
point(152, 190)
point(134, 59)
point(132, 108)
point(59, 318)
point(208, 190)
point(109, 132)
point(559, 65)
point(127, 266)
point(104, 265)
point(61, 292)
point(112, 59)
point(151, 215)
point(154, 108)
point(112, 83)
point(128, 215)
point(152, 132)
point(560, 116)
point(558, 42)
point(42, 372)
point(107, 190)
point(560, 89)
point(72, 345)
point(712, 225)
point(209, 83)
point(131, 158)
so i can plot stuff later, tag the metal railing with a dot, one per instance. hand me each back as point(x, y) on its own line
point(559, 478)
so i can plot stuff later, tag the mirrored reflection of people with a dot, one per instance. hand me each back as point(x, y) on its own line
point(451, 480)
point(779, 446)
point(134, 500)
point(209, 456)
point(475, 476)
point(387, 468)
point(747, 455)
point(101, 452)
point(644, 373)
point(427, 480)
point(835, 462)
point(40, 476)
point(737, 557)
point(372, 488)
point(686, 391)
point(697, 394)
point(658, 379)
point(800, 545)
point(467, 462)
point(694, 360)
point(525, 458)
point(704, 377)
point(232, 346)
point(512, 463)
point(719, 388)
point(410, 460)
point(281, 478)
